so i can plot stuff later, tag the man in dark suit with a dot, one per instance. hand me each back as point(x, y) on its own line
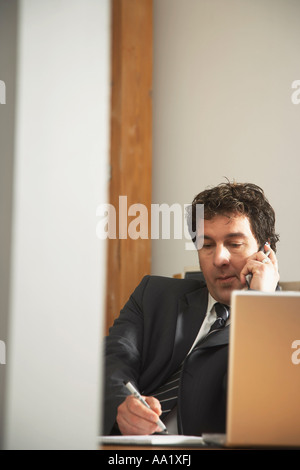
point(164, 327)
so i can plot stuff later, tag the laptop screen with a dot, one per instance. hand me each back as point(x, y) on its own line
point(264, 369)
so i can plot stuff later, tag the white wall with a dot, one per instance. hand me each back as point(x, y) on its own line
point(8, 54)
point(58, 264)
point(222, 108)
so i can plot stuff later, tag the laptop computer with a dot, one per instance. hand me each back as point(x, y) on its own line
point(263, 401)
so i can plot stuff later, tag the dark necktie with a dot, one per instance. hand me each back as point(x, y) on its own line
point(222, 312)
point(168, 392)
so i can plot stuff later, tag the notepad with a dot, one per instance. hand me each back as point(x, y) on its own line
point(154, 440)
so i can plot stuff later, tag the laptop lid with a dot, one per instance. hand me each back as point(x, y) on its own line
point(263, 406)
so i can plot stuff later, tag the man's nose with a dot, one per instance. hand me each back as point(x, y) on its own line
point(221, 256)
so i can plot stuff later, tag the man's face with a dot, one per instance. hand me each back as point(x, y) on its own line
point(227, 243)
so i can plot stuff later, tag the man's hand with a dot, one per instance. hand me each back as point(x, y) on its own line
point(135, 418)
point(264, 270)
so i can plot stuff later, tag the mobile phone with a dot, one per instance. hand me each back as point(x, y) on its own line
point(249, 276)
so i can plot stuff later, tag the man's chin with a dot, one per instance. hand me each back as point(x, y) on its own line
point(224, 288)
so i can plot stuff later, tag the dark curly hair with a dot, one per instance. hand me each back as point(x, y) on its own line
point(237, 198)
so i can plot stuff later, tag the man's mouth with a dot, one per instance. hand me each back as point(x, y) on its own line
point(226, 279)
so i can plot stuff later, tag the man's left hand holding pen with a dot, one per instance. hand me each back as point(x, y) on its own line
point(134, 418)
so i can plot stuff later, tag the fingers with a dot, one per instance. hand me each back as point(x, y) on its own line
point(154, 404)
point(266, 255)
point(263, 267)
point(272, 257)
point(135, 418)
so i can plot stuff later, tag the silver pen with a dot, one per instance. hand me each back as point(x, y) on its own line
point(137, 395)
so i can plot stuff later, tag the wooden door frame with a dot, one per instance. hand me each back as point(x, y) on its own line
point(128, 260)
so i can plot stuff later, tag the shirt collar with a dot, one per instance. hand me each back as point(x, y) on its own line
point(211, 302)
point(210, 312)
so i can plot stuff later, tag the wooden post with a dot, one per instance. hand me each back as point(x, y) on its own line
point(131, 145)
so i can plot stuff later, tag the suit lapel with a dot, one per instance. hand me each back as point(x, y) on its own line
point(191, 313)
point(216, 338)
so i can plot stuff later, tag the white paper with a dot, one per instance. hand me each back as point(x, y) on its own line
point(154, 440)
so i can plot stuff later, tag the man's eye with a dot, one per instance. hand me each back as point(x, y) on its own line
point(236, 245)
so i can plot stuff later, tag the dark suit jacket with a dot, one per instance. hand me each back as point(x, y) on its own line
point(150, 339)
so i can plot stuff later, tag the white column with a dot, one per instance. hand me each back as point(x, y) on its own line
point(58, 263)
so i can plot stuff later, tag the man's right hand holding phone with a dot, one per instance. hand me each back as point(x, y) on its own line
point(261, 270)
